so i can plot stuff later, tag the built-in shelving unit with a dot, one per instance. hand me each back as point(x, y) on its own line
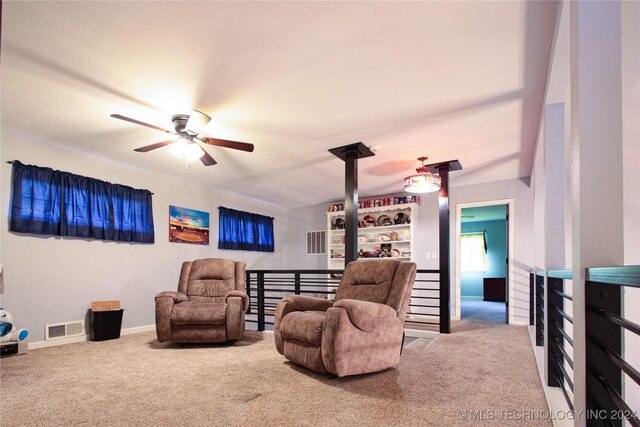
point(373, 235)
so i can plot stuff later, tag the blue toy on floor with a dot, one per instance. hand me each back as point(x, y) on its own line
point(8, 331)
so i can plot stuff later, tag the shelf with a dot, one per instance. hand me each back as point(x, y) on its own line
point(388, 257)
point(405, 233)
point(373, 243)
point(385, 227)
point(375, 209)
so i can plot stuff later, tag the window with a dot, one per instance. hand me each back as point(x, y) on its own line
point(51, 202)
point(473, 252)
point(245, 231)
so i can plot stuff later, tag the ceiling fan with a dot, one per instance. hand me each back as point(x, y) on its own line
point(188, 129)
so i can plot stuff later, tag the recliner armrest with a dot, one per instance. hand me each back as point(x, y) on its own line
point(238, 294)
point(305, 303)
point(366, 315)
point(176, 296)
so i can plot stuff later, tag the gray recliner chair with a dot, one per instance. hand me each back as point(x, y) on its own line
point(209, 305)
point(361, 332)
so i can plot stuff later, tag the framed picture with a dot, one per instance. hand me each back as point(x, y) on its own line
point(188, 226)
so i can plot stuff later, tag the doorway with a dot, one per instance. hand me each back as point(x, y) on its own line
point(483, 261)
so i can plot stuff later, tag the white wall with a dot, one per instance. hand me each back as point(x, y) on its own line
point(53, 279)
point(630, 41)
point(631, 178)
point(301, 220)
point(522, 222)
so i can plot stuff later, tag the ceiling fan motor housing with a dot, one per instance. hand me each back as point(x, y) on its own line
point(180, 122)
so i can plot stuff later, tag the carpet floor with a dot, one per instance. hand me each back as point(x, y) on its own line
point(483, 366)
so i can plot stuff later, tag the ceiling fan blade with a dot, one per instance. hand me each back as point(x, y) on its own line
point(207, 160)
point(138, 122)
point(153, 146)
point(243, 146)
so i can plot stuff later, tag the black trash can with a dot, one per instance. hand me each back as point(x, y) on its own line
point(105, 325)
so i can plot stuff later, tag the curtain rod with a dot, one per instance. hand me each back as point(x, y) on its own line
point(12, 161)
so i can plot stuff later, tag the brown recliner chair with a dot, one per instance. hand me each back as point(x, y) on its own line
point(361, 332)
point(209, 306)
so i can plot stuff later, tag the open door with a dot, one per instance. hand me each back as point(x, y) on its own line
point(506, 268)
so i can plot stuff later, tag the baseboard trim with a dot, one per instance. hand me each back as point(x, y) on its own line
point(415, 333)
point(138, 329)
point(82, 338)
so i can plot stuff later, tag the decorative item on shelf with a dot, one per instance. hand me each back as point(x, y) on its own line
point(368, 221)
point(363, 239)
point(401, 218)
point(395, 252)
point(423, 181)
point(384, 220)
point(384, 238)
point(331, 253)
point(360, 253)
point(385, 250)
point(406, 253)
point(394, 235)
point(338, 224)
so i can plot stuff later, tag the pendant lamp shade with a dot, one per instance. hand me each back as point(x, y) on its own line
point(422, 181)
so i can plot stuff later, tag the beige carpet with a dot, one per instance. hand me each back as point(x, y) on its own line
point(136, 381)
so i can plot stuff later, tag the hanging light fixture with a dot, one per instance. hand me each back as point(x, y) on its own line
point(188, 150)
point(423, 181)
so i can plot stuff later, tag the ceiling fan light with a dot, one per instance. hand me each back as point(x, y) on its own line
point(179, 148)
point(197, 121)
point(194, 151)
point(423, 181)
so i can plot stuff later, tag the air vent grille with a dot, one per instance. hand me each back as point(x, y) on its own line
point(57, 331)
point(64, 330)
point(316, 242)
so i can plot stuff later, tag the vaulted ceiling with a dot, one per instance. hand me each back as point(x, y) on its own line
point(449, 80)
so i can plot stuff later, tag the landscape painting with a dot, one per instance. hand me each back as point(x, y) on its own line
point(188, 226)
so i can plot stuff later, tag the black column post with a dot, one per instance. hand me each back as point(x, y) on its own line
point(350, 155)
point(261, 300)
point(443, 170)
point(350, 207)
point(445, 278)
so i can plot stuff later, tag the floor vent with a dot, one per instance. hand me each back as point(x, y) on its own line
point(64, 330)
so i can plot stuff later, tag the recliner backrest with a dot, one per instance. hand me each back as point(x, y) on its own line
point(383, 281)
point(210, 278)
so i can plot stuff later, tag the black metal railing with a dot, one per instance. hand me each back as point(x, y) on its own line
point(559, 361)
point(539, 283)
point(267, 287)
point(604, 328)
point(532, 299)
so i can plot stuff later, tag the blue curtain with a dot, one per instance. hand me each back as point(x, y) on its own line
point(46, 201)
point(245, 231)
